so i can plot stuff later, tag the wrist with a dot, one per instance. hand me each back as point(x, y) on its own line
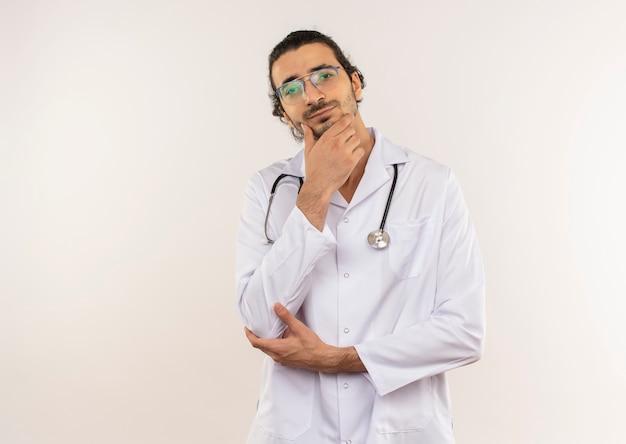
point(318, 195)
point(314, 205)
point(344, 359)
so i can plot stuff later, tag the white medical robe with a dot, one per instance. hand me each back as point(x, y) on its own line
point(413, 310)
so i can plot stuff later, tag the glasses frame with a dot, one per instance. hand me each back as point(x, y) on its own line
point(302, 79)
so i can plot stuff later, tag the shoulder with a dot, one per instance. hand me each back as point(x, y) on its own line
point(293, 166)
point(266, 176)
point(414, 164)
point(426, 165)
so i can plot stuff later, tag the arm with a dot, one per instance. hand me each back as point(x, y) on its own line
point(450, 338)
point(266, 274)
point(453, 334)
point(281, 272)
point(301, 348)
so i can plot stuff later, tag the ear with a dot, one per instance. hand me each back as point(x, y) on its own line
point(356, 85)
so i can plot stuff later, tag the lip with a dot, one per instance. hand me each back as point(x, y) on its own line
point(323, 113)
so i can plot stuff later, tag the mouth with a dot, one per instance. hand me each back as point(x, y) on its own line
point(323, 113)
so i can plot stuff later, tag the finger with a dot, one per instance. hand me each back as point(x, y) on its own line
point(251, 336)
point(257, 342)
point(286, 316)
point(340, 125)
point(350, 137)
point(265, 345)
point(309, 138)
point(358, 152)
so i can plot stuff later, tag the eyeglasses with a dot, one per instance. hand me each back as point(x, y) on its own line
point(324, 79)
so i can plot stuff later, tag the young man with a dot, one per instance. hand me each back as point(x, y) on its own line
point(358, 271)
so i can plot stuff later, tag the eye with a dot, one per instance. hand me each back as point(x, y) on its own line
point(324, 75)
point(290, 89)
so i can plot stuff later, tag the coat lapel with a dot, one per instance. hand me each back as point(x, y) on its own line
point(378, 170)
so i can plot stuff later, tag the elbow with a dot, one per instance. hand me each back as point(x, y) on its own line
point(472, 329)
point(477, 352)
point(255, 315)
point(261, 322)
point(467, 341)
point(475, 343)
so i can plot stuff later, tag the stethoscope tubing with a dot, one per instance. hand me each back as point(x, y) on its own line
point(301, 181)
point(271, 199)
point(393, 187)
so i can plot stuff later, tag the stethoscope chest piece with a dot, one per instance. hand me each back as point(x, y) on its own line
point(378, 239)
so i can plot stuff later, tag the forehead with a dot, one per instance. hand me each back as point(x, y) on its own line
point(302, 61)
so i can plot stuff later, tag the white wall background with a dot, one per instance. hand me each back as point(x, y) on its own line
point(129, 127)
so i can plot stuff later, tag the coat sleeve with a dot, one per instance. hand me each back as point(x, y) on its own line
point(279, 272)
point(453, 334)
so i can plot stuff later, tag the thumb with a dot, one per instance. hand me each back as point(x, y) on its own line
point(285, 315)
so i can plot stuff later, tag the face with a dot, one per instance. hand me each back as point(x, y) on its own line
point(320, 110)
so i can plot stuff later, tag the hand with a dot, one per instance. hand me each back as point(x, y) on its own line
point(301, 348)
point(331, 159)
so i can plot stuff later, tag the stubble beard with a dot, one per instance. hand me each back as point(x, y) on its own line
point(349, 104)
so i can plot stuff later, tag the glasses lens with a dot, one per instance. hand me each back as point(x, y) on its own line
point(292, 92)
point(324, 79)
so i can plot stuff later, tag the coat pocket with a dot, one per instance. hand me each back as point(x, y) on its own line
point(408, 409)
point(409, 247)
point(286, 405)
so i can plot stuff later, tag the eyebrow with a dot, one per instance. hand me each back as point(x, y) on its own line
point(315, 68)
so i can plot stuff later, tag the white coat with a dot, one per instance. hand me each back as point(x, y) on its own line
point(413, 310)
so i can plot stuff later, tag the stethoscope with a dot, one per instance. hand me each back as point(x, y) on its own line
point(378, 239)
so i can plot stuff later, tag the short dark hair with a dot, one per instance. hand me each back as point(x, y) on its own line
point(293, 42)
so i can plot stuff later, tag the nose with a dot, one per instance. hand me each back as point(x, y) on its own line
point(312, 93)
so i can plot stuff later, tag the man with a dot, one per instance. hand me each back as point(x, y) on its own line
point(359, 328)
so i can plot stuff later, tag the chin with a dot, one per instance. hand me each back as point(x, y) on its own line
point(325, 126)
